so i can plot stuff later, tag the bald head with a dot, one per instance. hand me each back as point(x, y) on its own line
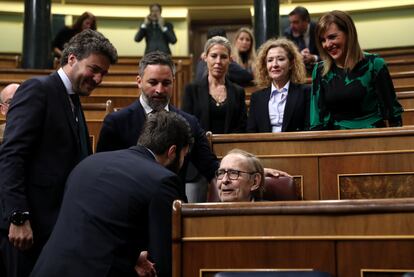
point(6, 96)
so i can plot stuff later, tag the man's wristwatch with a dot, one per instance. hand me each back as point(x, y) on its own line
point(18, 218)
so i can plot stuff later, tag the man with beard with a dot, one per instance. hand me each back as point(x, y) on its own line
point(118, 204)
point(155, 79)
point(301, 31)
point(45, 137)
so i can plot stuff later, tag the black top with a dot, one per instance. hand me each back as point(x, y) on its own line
point(217, 113)
point(62, 37)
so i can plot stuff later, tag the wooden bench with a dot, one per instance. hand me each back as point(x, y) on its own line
point(344, 238)
point(9, 60)
point(343, 164)
point(94, 116)
point(394, 53)
point(402, 65)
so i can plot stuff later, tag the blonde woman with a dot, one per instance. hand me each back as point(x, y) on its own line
point(218, 104)
point(283, 106)
point(244, 48)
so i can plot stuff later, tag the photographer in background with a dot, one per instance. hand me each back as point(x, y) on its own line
point(158, 34)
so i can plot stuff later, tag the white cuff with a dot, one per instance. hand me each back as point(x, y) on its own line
point(164, 29)
point(143, 26)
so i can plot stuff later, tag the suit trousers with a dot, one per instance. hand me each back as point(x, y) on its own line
point(17, 263)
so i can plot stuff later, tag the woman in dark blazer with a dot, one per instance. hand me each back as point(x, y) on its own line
point(218, 104)
point(283, 106)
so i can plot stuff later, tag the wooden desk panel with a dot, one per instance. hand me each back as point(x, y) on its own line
point(213, 256)
point(340, 237)
point(320, 157)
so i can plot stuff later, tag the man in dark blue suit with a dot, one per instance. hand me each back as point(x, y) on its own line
point(121, 129)
point(45, 137)
point(302, 32)
point(118, 204)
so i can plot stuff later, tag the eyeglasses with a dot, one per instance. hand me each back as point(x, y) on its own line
point(7, 102)
point(232, 174)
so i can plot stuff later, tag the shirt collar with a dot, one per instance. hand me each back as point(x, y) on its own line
point(66, 82)
point(146, 107)
point(284, 89)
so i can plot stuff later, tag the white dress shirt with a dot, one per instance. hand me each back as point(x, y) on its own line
point(277, 103)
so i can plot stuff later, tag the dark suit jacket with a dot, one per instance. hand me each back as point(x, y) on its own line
point(196, 102)
point(296, 114)
point(157, 39)
point(40, 148)
point(116, 205)
point(312, 44)
point(121, 129)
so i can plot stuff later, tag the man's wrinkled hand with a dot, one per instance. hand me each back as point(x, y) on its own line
point(270, 172)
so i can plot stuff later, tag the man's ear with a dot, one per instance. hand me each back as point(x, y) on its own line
point(139, 81)
point(257, 180)
point(172, 152)
point(71, 59)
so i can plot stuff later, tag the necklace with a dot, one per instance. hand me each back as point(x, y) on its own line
point(219, 95)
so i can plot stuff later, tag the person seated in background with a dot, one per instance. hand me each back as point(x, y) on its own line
point(157, 33)
point(350, 89)
point(282, 106)
point(240, 174)
point(244, 49)
point(236, 73)
point(6, 96)
point(218, 104)
point(86, 21)
point(302, 32)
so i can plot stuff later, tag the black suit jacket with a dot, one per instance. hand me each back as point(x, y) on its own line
point(312, 44)
point(116, 205)
point(157, 39)
point(121, 129)
point(39, 150)
point(296, 114)
point(196, 101)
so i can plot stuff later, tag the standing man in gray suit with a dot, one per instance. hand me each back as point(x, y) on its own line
point(157, 33)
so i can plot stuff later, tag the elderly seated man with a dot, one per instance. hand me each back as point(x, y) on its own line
point(240, 175)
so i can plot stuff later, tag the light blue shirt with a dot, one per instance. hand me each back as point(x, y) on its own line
point(277, 103)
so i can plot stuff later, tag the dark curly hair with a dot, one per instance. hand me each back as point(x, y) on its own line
point(89, 42)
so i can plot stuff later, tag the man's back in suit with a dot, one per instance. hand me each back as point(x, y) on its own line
point(117, 204)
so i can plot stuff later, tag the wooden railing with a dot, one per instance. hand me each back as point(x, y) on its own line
point(343, 164)
point(344, 238)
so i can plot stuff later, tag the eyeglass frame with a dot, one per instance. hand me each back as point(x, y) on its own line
point(6, 103)
point(227, 171)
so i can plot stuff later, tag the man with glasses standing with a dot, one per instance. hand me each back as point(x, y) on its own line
point(6, 96)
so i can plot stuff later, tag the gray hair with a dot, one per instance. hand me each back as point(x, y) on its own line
point(155, 57)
